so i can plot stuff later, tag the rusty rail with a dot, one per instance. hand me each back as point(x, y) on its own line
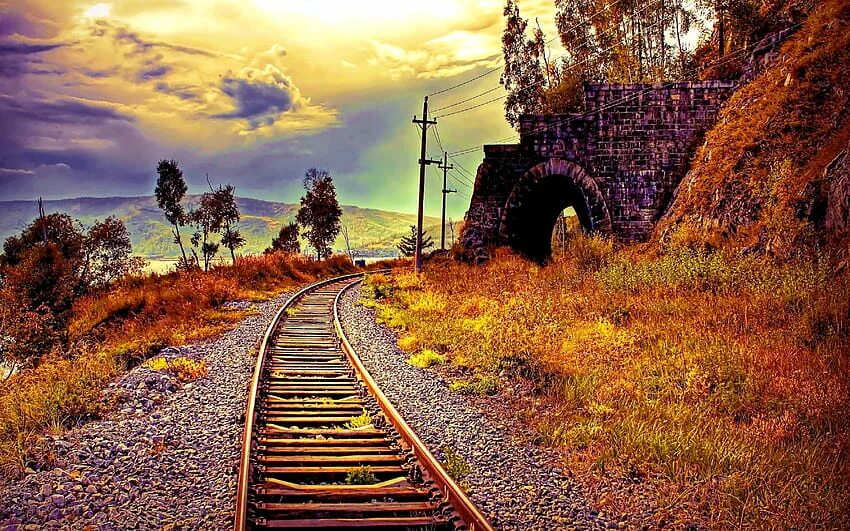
point(300, 440)
point(454, 495)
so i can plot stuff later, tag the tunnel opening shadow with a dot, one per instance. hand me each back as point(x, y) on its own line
point(532, 221)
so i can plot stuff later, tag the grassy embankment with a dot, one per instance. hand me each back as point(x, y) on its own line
point(707, 388)
point(693, 386)
point(122, 327)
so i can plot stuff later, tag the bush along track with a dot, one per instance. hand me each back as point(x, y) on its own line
point(691, 388)
point(173, 435)
point(516, 485)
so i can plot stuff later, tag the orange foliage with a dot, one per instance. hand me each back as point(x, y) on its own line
point(717, 386)
point(123, 326)
point(792, 116)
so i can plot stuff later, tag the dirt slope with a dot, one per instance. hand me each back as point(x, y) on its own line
point(772, 173)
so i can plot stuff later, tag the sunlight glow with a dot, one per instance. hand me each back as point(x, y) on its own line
point(339, 12)
point(98, 11)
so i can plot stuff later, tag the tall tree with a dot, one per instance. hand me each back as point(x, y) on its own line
point(523, 76)
point(286, 240)
point(407, 245)
point(170, 190)
point(108, 253)
point(320, 211)
point(216, 210)
point(231, 238)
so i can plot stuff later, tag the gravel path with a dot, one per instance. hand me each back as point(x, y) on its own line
point(165, 459)
point(514, 484)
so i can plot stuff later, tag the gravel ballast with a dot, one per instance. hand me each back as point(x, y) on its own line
point(515, 485)
point(166, 458)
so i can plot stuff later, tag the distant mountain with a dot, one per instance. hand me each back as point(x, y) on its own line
point(372, 232)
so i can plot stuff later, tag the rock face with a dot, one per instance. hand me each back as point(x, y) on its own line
point(837, 175)
point(772, 175)
point(617, 164)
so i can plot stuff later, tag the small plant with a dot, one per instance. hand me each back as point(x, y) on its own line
point(291, 312)
point(361, 475)
point(457, 467)
point(184, 369)
point(360, 421)
point(426, 359)
point(484, 385)
point(377, 286)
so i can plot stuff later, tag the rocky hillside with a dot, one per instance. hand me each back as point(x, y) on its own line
point(371, 231)
point(772, 174)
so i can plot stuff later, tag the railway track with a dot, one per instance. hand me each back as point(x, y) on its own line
point(323, 448)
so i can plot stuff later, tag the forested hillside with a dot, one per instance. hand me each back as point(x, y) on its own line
point(371, 231)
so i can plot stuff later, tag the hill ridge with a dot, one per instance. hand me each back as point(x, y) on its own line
point(373, 231)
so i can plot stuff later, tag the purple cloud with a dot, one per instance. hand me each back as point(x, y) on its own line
point(156, 72)
point(255, 99)
point(16, 58)
point(63, 111)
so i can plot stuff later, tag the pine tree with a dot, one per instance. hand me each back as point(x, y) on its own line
point(407, 245)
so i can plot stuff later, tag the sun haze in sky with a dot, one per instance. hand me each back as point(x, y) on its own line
point(254, 92)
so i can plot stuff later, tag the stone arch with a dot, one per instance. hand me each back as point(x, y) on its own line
point(539, 196)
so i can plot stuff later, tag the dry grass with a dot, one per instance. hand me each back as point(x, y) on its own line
point(123, 327)
point(794, 116)
point(704, 388)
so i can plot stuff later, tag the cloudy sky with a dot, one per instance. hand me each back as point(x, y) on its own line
point(251, 91)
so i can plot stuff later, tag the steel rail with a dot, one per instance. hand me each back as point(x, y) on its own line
point(454, 495)
point(241, 518)
point(257, 492)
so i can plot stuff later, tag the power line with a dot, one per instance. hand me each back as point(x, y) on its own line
point(468, 81)
point(614, 103)
point(437, 137)
point(574, 65)
point(469, 99)
point(440, 143)
point(497, 68)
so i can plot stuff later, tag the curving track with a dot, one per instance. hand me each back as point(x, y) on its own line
point(301, 441)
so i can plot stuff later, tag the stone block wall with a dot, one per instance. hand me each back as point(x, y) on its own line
point(634, 141)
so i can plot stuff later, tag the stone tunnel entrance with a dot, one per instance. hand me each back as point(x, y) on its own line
point(618, 163)
point(531, 224)
point(537, 201)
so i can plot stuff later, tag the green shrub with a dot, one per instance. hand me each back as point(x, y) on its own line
point(426, 359)
point(483, 385)
point(360, 421)
point(361, 475)
point(456, 466)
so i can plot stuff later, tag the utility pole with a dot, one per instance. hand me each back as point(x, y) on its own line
point(445, 167)
point(423, 123)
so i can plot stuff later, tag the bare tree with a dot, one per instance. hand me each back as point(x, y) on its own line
point(344, 231)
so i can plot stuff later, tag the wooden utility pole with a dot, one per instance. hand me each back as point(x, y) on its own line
point(41, 217)
point(423, 123)
point(445, 166)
